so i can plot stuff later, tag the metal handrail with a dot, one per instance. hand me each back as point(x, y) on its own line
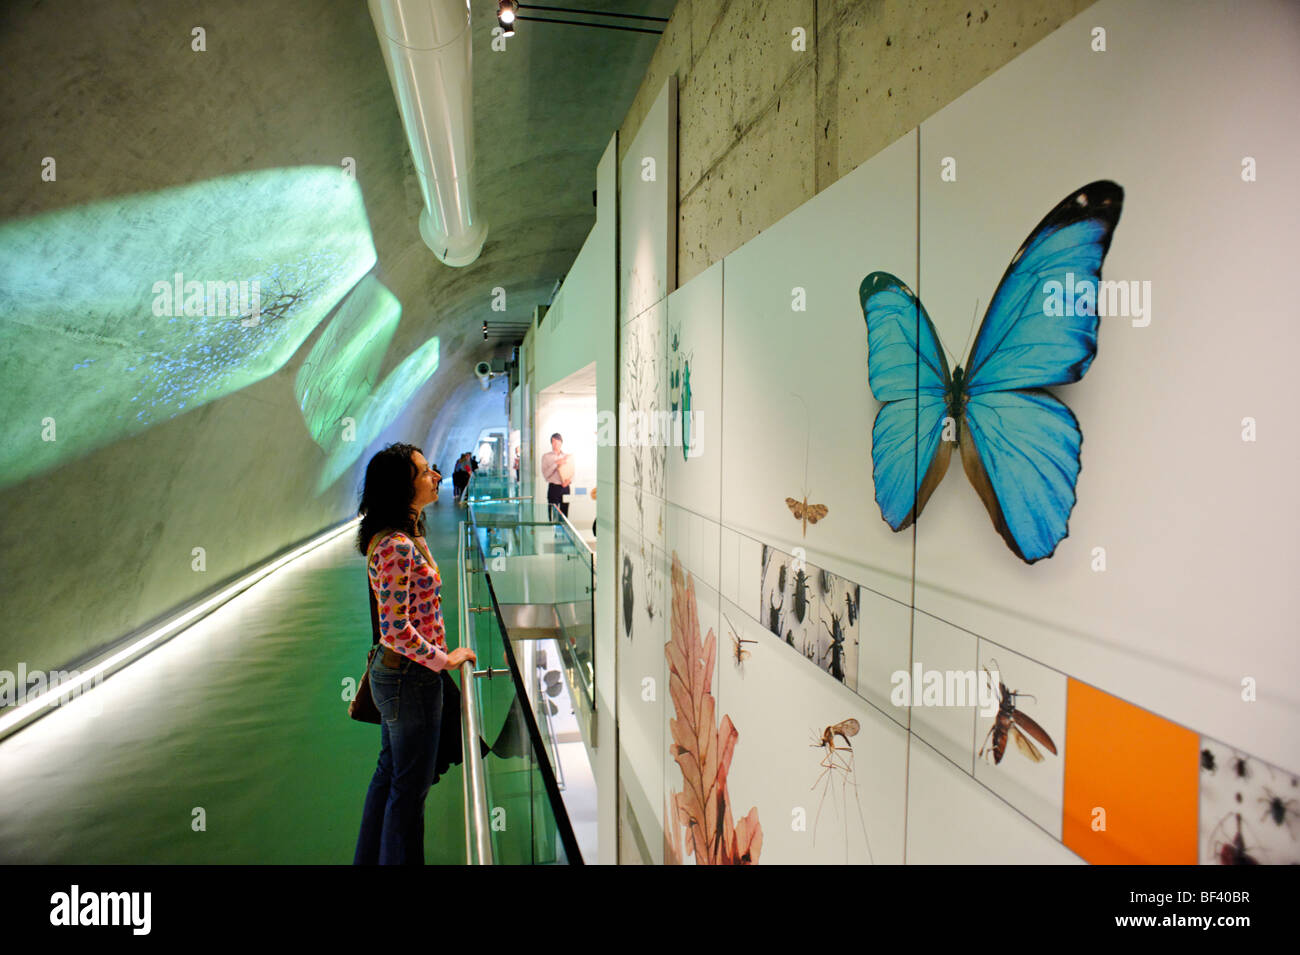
point(478, 844)
point(574, 531)
point(588, 692)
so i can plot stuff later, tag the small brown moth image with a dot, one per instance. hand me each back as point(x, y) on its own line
point(805, 512)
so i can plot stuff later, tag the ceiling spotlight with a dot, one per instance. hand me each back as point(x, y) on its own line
point(507, 11)
point(485, 331)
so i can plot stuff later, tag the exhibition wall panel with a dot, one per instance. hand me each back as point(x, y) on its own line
point(643, 685)
point(1061, 650)
point(693, 364)
point(648, 205)
point(643, 406)
point(572, 353)
point(1172, 536)
point(797, 410)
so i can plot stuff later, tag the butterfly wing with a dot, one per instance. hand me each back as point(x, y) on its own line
point(796, 507)
point(816, 512)
point(908, 371)
point(1023, 342)
point(1020, 448)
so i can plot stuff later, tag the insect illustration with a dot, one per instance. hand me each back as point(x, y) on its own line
point(774, 616)
point(679, 392)
point(805, 512)
point(780, 577)
point(836, 650)
point(738, 646)
point(801, 594)
point(1019, 445)
point(737, 643)
point(1240, 766)
point(627, 595)
point(852, 599)
point(824, 582)
point(1207, 762)
point(1009, 722)
point(674, 378)
point(1279, 810)
point(789, 637)
point(686, 410)
point(1231, 851)
point(801, 509)
point(837, 764)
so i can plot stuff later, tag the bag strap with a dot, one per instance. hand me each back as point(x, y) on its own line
point(374, 617)
point(425, 551)
point(374, 605)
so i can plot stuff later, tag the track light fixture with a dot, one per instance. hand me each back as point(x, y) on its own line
point(505, 330)
point(507, 12)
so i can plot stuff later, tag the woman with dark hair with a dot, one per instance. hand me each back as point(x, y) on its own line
point(406, 679)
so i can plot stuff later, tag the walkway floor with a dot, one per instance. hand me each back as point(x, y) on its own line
point(240, 724)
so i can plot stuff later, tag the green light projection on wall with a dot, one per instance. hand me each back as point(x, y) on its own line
point(387, 403)
point(343, 367)
point(119, 315)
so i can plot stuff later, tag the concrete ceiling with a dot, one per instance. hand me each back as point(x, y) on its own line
point(112, 89)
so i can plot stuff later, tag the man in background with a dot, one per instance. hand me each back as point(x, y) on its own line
point(556, 486)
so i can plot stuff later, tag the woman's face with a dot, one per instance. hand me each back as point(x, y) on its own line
point(426, 482)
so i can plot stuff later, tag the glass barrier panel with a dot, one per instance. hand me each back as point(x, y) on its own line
point(523, 816)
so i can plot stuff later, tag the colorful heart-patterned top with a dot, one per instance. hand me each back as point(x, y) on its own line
point(408, 590)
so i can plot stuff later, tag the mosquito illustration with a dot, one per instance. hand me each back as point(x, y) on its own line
point(1231, 849)
point(837, 763)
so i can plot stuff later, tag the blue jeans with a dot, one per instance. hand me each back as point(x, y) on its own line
point(409, 699)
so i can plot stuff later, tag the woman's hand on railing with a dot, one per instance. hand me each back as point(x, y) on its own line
point(459, 656)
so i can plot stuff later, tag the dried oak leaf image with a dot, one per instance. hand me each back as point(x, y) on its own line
point(701, 748)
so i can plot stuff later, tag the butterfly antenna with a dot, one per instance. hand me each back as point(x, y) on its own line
point(969, 334)
point(807, 430)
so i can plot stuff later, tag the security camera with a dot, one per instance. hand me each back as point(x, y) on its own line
point(484, 372)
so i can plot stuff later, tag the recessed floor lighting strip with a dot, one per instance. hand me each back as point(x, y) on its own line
point(117, 660)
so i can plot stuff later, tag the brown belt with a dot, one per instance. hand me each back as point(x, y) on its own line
point(393, 659)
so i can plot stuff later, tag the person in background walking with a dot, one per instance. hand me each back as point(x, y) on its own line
point(460, 477)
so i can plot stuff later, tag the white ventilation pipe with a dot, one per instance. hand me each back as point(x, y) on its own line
point(427, 52)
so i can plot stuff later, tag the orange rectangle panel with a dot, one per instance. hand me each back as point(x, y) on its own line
point(1131, 781)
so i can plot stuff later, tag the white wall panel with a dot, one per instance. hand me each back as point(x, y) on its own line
point(953, 820)
point(797, 411)
point(648, 197)
point(1197, 525)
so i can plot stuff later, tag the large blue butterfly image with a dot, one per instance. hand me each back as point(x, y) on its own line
point(1019, 445)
